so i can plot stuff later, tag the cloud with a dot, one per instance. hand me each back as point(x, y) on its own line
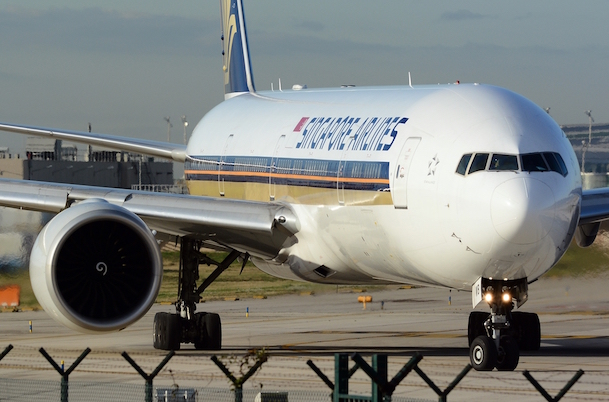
point(461, 15)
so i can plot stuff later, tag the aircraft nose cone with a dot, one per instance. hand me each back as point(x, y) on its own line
point(523, 210)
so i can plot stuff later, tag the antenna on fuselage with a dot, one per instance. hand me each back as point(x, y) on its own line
point(409, 80)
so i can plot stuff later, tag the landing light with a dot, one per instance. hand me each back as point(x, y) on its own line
point(506, 297)
point(488, 297)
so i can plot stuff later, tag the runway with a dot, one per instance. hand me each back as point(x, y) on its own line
point(574, 316)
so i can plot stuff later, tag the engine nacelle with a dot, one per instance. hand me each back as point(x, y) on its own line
point(586, 234)
point(96, 267)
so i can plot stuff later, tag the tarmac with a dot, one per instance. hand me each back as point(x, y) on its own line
point(574, 317)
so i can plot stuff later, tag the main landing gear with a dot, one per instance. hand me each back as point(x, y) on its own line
point(202, 329)
point(496, 339)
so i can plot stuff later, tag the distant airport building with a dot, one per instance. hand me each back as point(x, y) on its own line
point(597, 152)
point(582, 129)
point(51, 160)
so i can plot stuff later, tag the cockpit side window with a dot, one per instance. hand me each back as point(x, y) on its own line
point(462, 168)
point(534, 163)
point(555, 162)
point(479, 163)
point(503, 162)
point(563, 165)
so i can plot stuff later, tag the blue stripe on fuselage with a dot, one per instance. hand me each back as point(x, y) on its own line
point(357, 175)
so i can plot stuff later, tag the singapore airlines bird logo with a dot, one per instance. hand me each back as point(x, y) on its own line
point(229, 24)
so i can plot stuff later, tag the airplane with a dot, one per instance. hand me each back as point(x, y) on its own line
point(463, 186)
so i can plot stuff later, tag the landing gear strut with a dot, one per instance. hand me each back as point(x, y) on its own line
point(186, 326)
point(496, 339)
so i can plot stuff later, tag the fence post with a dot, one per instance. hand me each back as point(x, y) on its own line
point(386, 388)
point(382, 389)
point(562, 392)
point(341, 376)
point(321, 375)
point(442, 395)
point(342, 379)
point(148, 377)
point(379, 364)
point(6, 350)
point(238, 382)
point(64, 374)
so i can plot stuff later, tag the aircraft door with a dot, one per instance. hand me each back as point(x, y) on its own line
point(340, 183)
point(222, 167)
point(273, 170)
point(399, 178)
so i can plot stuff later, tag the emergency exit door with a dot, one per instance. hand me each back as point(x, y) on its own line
point(399, 190)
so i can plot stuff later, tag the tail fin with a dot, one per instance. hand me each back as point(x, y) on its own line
point(238, 76)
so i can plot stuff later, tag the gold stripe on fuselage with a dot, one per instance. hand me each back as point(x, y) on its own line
point(294, 194)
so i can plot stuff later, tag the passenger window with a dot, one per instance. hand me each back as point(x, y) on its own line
point(534, 163)
point(479, 163)
point(504, 162)
point(462, 168)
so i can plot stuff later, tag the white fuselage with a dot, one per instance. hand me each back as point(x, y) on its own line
point(372, 176)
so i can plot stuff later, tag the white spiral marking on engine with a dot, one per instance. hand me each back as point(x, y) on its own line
point(101, 266)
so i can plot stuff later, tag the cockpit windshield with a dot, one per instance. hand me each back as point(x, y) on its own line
point(503, 162)
point(479, 163)
point(531, 162)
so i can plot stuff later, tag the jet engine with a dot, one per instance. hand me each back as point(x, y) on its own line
point(96, 267)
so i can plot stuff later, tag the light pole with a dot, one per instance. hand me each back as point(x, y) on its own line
point(585, 147)
point(185, 125)
point(169, 125)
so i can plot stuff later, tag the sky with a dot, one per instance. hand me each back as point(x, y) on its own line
point(124, 66)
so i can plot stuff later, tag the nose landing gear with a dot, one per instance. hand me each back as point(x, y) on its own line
point(496, 339)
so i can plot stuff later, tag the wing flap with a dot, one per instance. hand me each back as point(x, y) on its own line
point(261, 229)
point(33, 196)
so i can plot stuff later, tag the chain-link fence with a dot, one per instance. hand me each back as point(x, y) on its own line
point(49, 391)
point(348, 370)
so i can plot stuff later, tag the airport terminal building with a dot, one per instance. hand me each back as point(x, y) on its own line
point(54, 161)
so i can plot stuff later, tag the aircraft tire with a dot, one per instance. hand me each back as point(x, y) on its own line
point(475, 325)
point(483, 353)
point(201, 342)
point(528, 330)
point(508, 354)
point(533, 332)
point(210, 332)
point(213, 329)
point(166, 331)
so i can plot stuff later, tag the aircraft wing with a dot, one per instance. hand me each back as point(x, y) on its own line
point(258, 228)
point(595, 206)
point(159, 149)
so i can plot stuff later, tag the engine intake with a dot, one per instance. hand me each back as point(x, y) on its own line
point(96, 267)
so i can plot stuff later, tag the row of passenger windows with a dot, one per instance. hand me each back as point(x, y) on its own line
point(534, 162)
point(301, 167)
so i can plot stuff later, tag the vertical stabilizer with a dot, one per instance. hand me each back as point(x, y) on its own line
point(238, 76)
